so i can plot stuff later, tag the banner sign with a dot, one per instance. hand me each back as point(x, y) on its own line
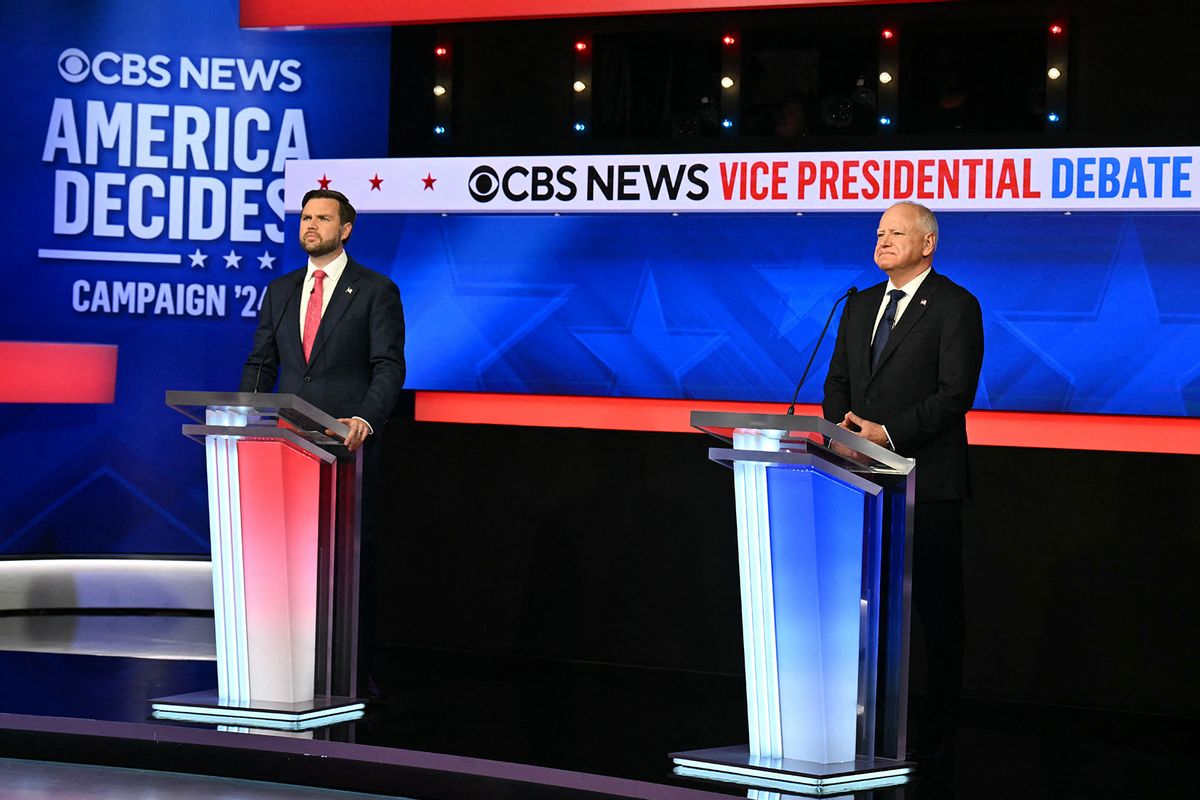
point(145, 143)
point(279, 13)
point(1105, 179)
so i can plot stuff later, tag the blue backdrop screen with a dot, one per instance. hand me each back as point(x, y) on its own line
point(1085, 312)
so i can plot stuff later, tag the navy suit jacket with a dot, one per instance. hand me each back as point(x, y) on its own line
point(923, 384)
point(357, 363)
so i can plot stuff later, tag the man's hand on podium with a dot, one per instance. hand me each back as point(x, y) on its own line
point(359, 431)
point(872, 431)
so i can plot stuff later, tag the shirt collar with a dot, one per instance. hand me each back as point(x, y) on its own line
point(912, 286)
point(333, 270)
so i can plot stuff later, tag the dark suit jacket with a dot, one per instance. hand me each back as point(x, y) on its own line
point(924, 383)
point(357, 364)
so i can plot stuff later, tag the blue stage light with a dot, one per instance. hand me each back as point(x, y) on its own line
point(580, 127)
point(1053, 117)
point(885, 120)
point(439, 129)
point(726, 123)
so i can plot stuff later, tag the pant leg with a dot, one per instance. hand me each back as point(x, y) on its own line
point(937, 594)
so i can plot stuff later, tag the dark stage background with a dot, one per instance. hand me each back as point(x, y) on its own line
point(619, 547)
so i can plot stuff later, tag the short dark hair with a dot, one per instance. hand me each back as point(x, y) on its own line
point(346, 212)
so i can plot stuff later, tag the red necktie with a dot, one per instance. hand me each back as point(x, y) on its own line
point(312, 314)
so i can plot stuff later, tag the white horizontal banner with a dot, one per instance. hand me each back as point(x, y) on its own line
point(1081, 179)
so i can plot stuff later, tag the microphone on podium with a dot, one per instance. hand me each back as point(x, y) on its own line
point(792, 408)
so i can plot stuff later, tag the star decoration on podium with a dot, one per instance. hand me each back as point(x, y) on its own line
point(266, 261)
point(232, 260)
point(429, 181)
point(324, 180)
point(376, 183)
point(198, 259)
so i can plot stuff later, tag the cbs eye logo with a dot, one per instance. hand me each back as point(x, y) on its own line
point(483, 184)
point(73, 65)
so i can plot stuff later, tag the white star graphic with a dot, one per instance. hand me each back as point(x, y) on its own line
point(233, 260)
point(266, 261)
point(198, 259)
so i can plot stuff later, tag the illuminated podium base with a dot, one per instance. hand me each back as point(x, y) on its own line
point(284, 503)
point(207, 707)
point(823, 560)
point(736, 765)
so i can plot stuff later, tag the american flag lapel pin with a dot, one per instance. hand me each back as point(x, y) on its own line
point(350, 290)
point(924, 302)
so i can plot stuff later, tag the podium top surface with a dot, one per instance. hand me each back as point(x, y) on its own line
point(804, 434)
point(263, 409)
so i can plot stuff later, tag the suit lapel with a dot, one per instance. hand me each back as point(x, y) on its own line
point(912, 313)
point(343, 295)
point(288, 336)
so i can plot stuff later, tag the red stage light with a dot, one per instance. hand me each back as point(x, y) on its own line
point(728, 40)
point(1056, 29)
point(581, 46)
point(441, 51)
point(888, 33)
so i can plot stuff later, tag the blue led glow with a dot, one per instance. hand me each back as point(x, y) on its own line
point(1053, 117)
point(580, 127)
point(816, 547)
point(885, 120)
point(726, 123)
point(439, 129)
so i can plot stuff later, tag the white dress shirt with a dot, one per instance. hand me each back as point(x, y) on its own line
point(909, 290)
point(333, 271)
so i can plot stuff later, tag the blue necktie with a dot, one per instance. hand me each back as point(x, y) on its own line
point(885, 325)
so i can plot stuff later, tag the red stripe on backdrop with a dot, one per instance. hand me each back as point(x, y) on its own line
point(280, 13)
point(998, 428)
point(54, 372)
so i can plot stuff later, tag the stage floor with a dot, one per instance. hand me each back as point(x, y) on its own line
point(461, 725)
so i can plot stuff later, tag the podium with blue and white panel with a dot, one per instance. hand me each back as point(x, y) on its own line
point(284, 529)
point(824, 561)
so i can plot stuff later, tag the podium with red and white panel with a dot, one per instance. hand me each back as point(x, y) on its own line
point(284, 506)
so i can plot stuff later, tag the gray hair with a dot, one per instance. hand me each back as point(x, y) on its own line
point(925, 218)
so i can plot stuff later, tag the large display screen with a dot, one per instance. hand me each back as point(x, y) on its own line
point(1084, 312)
point(709, 277)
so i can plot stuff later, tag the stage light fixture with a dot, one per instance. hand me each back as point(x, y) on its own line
point(888, 33)
point(580, 127)
point(885, 120)
point(580, 46)
point(440, 51)
point(1053, 117)
point(1056, 29)
point(727, 40)
point(1054, 73)
point(885, 77)
point(439, 129)
point(726, 123)
point(438, 91)
point(726, 82)
point(579, 86)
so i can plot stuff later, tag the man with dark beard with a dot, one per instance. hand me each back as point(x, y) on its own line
point(333, 334)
